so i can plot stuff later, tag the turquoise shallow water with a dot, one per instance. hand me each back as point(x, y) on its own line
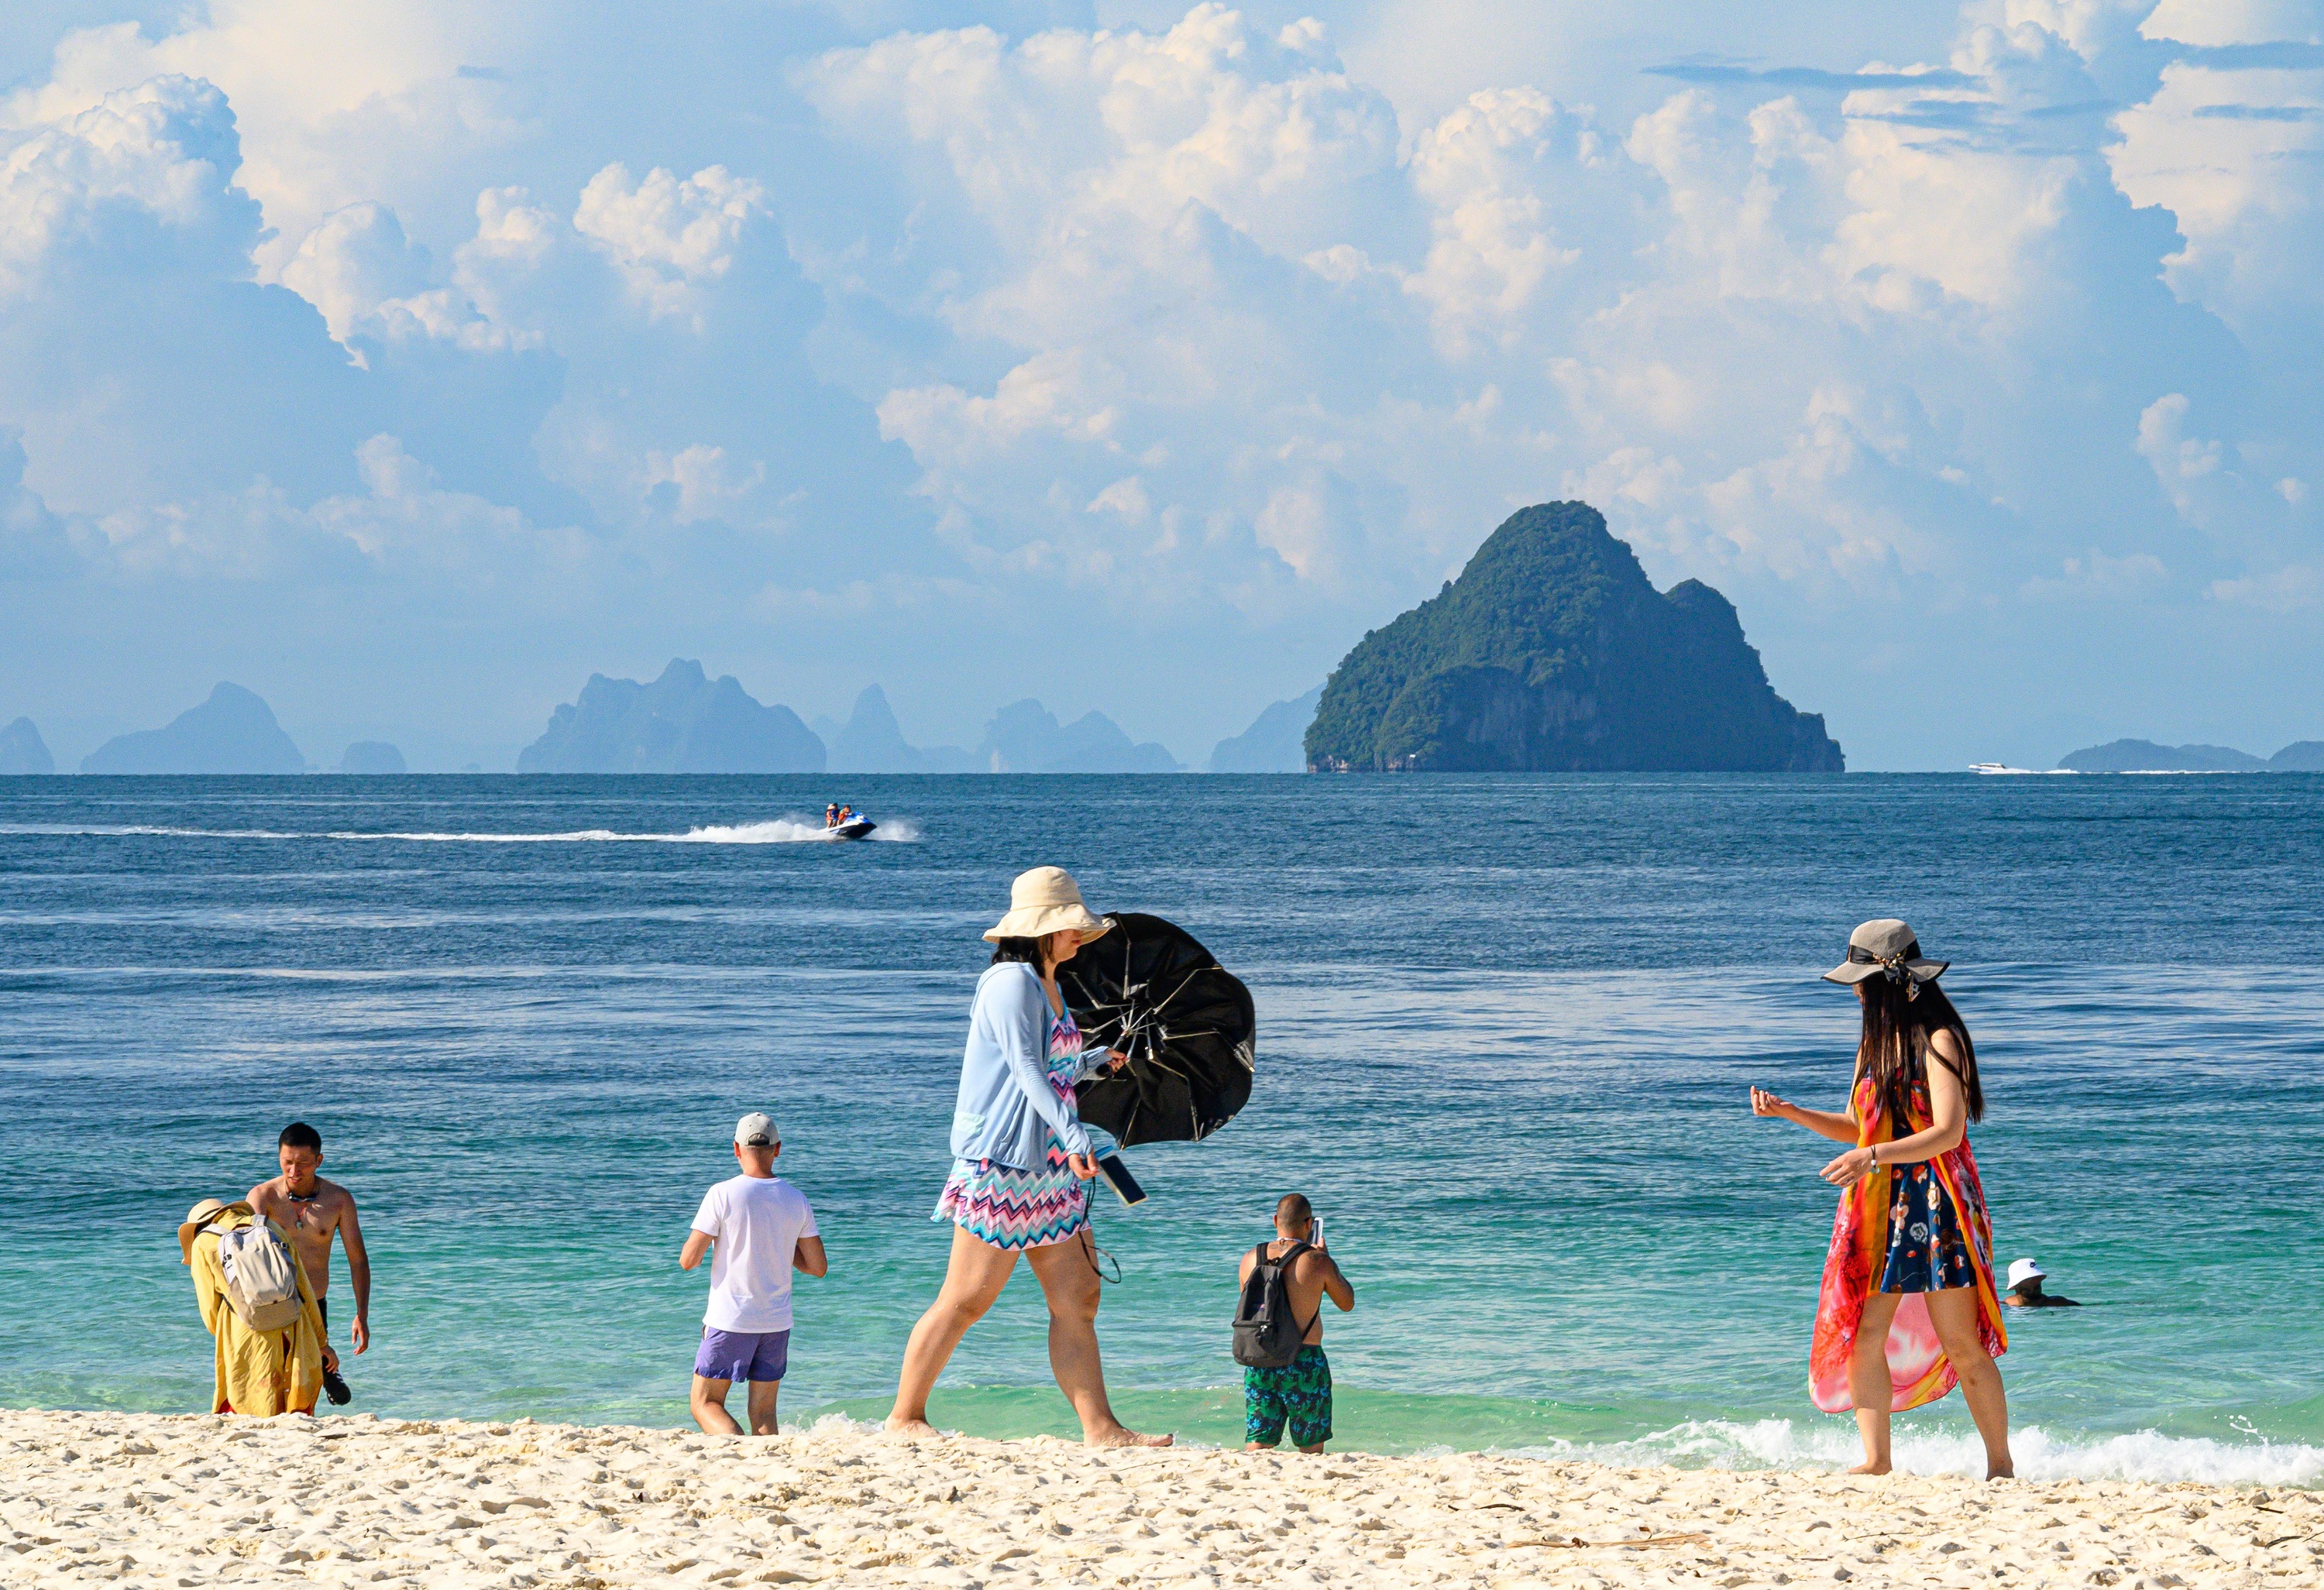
point(1506, 1028)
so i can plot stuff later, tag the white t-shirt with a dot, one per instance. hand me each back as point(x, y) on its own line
point(756, 1223)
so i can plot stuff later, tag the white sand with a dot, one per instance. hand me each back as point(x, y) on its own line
point(147, 1499)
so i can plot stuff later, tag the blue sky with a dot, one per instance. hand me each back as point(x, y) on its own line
point(407, 362)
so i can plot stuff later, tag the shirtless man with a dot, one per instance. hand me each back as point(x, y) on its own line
point(312, 1209)
point(1300, 1393)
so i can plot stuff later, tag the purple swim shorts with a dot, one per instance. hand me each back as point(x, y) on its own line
point(744, 1355)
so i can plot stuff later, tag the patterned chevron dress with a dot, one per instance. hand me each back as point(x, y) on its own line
point(1015, 1209)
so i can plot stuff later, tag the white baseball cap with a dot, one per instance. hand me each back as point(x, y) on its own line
point(756, 1130)
point(2022, 1271)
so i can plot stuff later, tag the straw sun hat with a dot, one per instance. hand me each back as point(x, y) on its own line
point(1045, 901)
point(197, 1217)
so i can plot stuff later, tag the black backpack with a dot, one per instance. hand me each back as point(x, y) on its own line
point(1266, 1333)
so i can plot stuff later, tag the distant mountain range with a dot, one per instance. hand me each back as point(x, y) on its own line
point(2144, 756)
point(1554, 652)
point(686, 722)
point(231, 732)
point(1551, 651)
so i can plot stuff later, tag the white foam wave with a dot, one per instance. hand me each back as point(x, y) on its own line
point(2141, 1455)
point(779, 831)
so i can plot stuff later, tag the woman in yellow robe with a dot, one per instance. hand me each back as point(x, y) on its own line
point(259, 1373)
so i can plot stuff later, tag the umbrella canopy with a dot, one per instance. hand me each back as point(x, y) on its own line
point(1149, 989)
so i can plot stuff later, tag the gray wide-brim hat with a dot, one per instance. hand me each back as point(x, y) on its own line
point(1886, 947)
point(1043, 901)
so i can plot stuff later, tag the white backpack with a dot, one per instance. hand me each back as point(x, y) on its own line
point(261, 1277)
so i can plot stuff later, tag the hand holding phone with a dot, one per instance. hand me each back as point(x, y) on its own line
point(1315, 1232)
point(1116, 1175)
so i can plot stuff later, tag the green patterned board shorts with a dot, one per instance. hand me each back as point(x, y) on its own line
point(1299, 1394)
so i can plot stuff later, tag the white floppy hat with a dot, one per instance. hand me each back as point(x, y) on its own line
point(2022, 1271)
point(1045, 901)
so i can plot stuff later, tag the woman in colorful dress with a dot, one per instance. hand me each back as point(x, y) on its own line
point(1022, 1162)
point(1909, 1307)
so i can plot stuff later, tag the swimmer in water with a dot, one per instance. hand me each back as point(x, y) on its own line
point(2025, 1289)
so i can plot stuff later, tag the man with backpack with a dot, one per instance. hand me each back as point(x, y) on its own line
point(1278, 1331)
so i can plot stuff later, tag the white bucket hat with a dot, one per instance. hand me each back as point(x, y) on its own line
point(2022, 1271)
point(1045, 901)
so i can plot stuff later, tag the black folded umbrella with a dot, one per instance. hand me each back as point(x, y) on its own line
point(1149, 989)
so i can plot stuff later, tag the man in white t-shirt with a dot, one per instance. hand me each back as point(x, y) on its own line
point(761, 1229)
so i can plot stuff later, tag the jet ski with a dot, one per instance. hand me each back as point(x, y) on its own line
point(854, 827)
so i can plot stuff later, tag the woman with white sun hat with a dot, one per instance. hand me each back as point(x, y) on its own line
point(1022, 1161)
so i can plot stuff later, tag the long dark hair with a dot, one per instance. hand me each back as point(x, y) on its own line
point(1028, 950)
point(1895, 1049)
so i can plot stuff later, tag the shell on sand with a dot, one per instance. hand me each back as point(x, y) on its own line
point(152, 1499)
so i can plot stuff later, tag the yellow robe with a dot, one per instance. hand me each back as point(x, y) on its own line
point(258, 1374)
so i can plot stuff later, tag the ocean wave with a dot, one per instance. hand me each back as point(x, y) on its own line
point(778, 831)
point(2140, 1455)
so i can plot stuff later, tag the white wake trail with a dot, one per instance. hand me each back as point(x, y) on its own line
point(779, 831)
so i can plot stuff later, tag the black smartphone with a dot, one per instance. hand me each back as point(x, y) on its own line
point(1117, 1176)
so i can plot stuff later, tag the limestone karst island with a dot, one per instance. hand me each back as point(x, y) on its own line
point(1552, 652)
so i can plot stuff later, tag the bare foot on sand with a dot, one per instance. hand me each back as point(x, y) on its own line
point(2001, 1474)
point(1869, 1468)
point(1120, 1436)
point(911, 1430)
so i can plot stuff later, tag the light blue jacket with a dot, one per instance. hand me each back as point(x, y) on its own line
point(1007, 1108)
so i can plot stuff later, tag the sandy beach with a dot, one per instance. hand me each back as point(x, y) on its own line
point(146, 1499)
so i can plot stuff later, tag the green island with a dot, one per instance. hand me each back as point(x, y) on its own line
point(1554, 652)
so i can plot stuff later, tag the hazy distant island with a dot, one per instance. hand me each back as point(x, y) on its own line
point(2144, 756)
point(1276, 743)
point(22, 751)
point(1025, 737)
point(372, 757)
point(1554, 652)
point(871, 741)
point(682, 722)
point(234, 731)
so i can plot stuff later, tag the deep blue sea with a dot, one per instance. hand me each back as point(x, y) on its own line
point(1506, 1030)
